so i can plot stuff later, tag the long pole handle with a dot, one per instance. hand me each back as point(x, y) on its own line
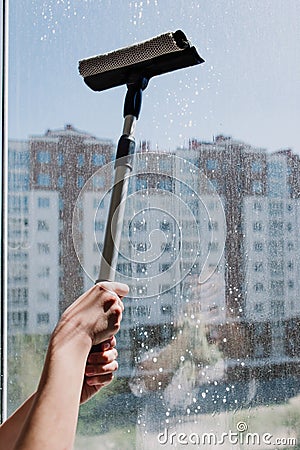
point(114, 225)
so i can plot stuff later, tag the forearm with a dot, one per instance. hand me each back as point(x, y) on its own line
point(51, 422)
point(11, 428)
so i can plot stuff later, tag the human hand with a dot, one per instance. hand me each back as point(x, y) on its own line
point(96, 315)
point(99, 370)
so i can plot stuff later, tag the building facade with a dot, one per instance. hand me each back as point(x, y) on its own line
point(222, 213)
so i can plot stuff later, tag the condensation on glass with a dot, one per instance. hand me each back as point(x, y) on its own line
point(209, 344)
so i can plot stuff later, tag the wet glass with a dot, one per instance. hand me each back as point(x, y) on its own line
point(209, 344)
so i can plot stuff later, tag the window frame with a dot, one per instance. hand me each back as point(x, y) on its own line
point(4, 17)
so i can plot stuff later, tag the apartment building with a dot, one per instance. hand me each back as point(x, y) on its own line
point(32, 249)
point(221, 212)
point(260, 191)
point(62, 161)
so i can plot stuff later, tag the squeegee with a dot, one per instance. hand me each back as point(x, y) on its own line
point(134, 66)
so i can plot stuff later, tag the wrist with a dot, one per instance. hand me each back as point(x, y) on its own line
point(69, 333)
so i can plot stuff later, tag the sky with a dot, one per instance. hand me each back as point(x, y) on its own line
point(248, 87)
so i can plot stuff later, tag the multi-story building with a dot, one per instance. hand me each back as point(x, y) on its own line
point(62, 161)
point(260, 191)
point(220, 206)
point(32, 250)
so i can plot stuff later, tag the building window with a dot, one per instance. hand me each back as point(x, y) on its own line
point(44, 157)
point(165, 225)
point(141, 247)
point(257, 206)
point(18, 295)
point(213, 246)
point(211, 164)
point(80, 181)
point(277, 308)
point(98, 182)
point(44, 202)
point(141, 290)
point(276, 248)
point(257, 226)
point(258, 266)
point(214, 183)
point(276, 228)
point(18, 319)
point(275, 208)
point(80, 160)
point(164, 267)
point(258, 246)
point(258, 307)
point(99, 225)
point(257, 187)
point(60, 159)
point(98, 160)
point(42, 318)
point(141, 268)
point(277, 287)
point(139, 225)
point(60, 182)
point(166, 310)
point(256, 166)
point(43, 295)
point(275, 170)
point(141, 183)
point(124, 268)
point(43, 249)
point(259, 287)
point(42, 225)
point(44, 272)
point(165, 184)
point(276, 268)
point(43, 179)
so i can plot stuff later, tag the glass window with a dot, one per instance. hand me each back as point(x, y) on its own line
point(210, 340)
point(211, 164)
point(43, 202)
point(256, 166)
point(257, 187)
point(44, 179)
point(43, 157)
point(98, 160)
point(80, 160)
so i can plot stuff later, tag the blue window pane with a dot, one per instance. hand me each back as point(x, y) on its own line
point(98, 160)
point(211, 164)
point(43, 202)
point(80, 160)
point(80, 181)
point(43, 157)
point(60, 181)
point(44, 180)
point(60, 159)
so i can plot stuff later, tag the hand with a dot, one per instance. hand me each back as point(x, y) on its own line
point(96, 315)
point(99, 370)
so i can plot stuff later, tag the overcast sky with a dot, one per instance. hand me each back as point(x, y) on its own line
point(249, 86)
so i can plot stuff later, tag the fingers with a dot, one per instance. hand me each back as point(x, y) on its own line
point(100, 380)
point(106, 345)
point(103, 358)
point(92, 370)
point(101, 367)
point(114, 288)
